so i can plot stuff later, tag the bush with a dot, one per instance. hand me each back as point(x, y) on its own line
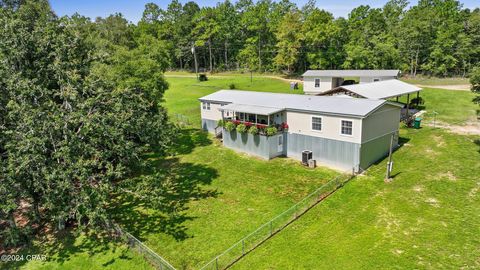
point(231, 86)
point(220, 123)
point(202, 77)
point(271, 131)
point(229, 126)
point(253, 130)
point(242, 128)
point(475, 81)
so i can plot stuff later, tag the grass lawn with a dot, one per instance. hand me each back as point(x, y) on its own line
point(452, 106)
point(427, 218)
point(231, 194)
point(81, 252)
point(436, 81)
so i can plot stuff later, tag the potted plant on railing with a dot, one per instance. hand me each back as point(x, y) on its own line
point(242, 128)
point(253, 130)
point(229, 126)
point(271, 131)
point(284, 126)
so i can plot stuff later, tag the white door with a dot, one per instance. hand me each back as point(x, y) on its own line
point(280, 143)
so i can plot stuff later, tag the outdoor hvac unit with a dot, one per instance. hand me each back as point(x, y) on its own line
point(306, 156)
point(312, 163)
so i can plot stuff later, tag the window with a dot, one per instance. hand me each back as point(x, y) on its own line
point(347, 127)
point(204, 105)
point(208, 105)
point(280, 140)
point(317, 83)
point(316, 123)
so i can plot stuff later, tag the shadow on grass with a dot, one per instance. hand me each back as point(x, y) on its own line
point(477, 142)
point(61, 246)
point(166, 187)
point(189, 139)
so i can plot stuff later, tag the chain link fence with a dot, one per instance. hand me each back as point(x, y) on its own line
point(156, 260)
point(275, 225)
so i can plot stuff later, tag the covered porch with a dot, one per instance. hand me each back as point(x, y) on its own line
point(254, 115)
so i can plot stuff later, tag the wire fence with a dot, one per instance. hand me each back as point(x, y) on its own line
point(156, 260)
point(275, 225)
point(181, 120)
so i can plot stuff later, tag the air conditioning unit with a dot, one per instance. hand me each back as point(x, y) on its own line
point(306, 156)
point(312, 163)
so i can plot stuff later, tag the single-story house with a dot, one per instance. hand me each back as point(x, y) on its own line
point(342, 133)
point(318, 81)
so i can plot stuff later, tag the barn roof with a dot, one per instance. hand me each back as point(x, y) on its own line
point(378, 90)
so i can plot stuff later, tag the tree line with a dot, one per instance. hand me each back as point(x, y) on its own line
point(434, 37)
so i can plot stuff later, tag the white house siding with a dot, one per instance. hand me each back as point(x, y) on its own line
point(213, 113)
point(309, 85)
point(383, 121)
point(301, 123)
point(377, 129)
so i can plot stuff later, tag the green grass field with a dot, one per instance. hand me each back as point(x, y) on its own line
point(452, 106)
point(80, 252)
point(432, 81)
point(427, 217)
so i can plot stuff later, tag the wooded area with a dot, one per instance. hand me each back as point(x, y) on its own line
point(435, 37)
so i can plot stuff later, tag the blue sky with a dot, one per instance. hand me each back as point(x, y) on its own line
point(133, 9)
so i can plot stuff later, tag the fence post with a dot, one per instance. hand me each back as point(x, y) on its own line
point(216, 263)
point(243, 246)
point(271, 228)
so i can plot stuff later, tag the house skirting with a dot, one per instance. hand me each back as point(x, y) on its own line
point(258, 145)
point(333, 153)
point(374, 150)
point(209, 125)
point(328, 152)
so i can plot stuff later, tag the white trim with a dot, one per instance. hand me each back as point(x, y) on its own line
point(342, 134)
point(321, 123)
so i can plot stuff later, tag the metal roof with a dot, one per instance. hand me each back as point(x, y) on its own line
point(380, 90)
point(251, 109)
point(353, 73)
point(324, 104)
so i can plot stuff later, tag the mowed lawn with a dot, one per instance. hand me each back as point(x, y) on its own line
point(428, 217)
point(80, 252)
point(234, 193)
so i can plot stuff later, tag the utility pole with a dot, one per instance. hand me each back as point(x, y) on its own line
point(195, 59)
point(390, 162)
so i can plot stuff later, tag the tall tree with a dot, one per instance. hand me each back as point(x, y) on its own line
point(74, 125)
point(289, 36)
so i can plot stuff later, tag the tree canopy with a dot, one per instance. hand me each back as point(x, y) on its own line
point(79, 106)
point(433, 37)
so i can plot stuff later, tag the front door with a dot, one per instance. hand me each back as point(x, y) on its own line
point(280, 143)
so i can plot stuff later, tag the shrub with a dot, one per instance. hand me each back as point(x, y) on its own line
point(220, 123)
point(271, 131)
point(475, 81)
point(231, 86)
point(202, 77)
point(229, 126)
point(242, 128)
point(253, 130)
